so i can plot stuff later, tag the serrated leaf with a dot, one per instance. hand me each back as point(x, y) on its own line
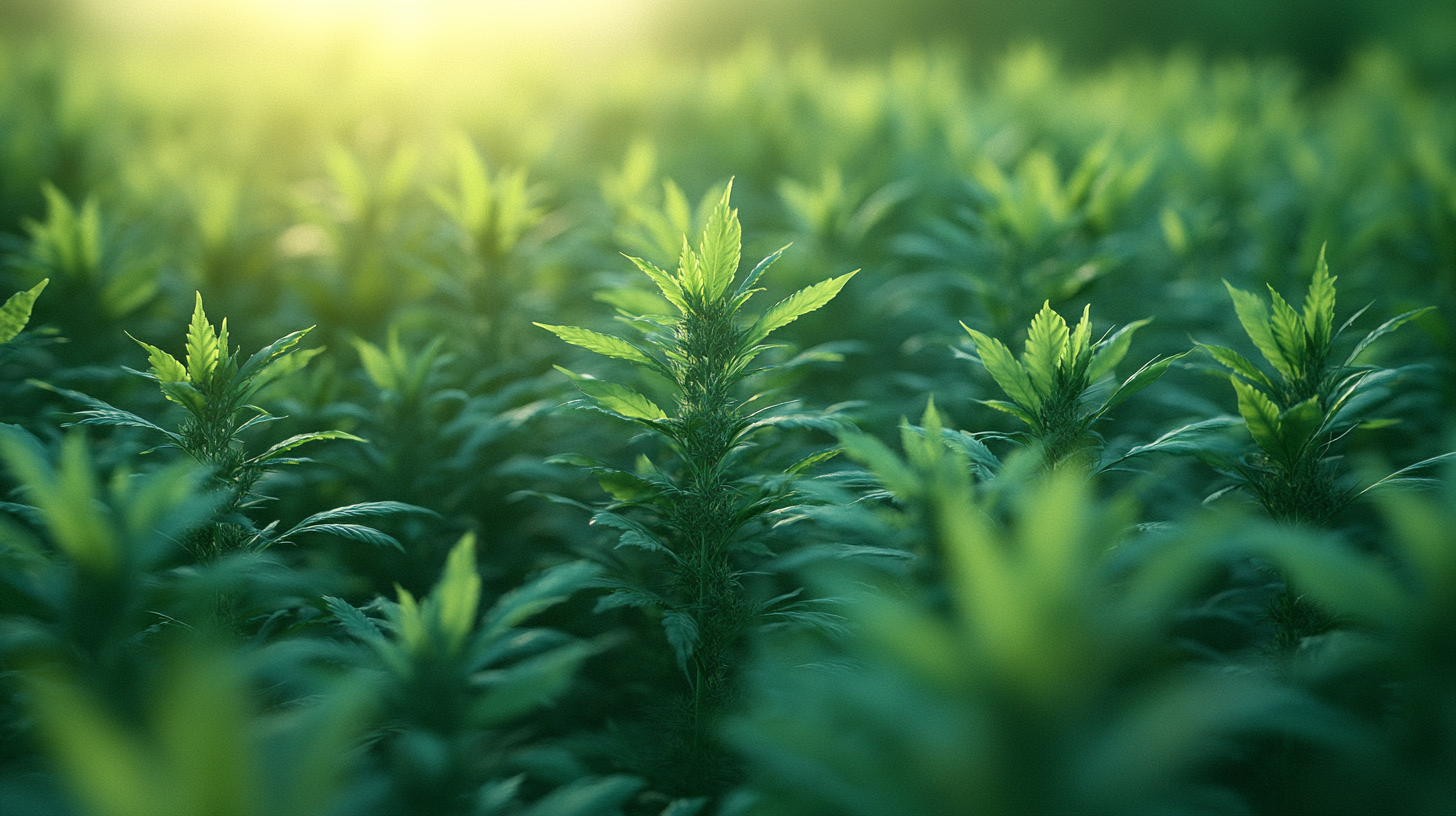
point(682, 635)
point(1080, 343)
point(720, 247)
point(117, 417)
point(1261, 416)
point(817, 422)
point(366, 509)
point(202, 346)
point(632, 533)
point(1288, 330)
point(1142, 378)
point(690, 270)
point(185, 395)
point(616, 398)
point(1319, 304)
point(603, 344)
point(101, 413)
point(811, 460)
point(974, 449)
point(1432, 547)
point(1012, 409)
point(551, 587)
point(795, 306)
point(165, 367)
point(1046, 342)
point(1383, 329)
point(752, 278)
point(16, 311)
point(665, 283)
point(353, 532)
point(1005, 370)
point(1111, 351)
point(302, 439)
point(626, 597)
point(282, 366)
point(268, 354)
point(1238, 363)
point(1254, 316)
point(1299, 424)
point(354, 621)
point(828, 622)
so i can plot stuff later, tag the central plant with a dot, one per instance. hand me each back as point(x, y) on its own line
point(692, 512)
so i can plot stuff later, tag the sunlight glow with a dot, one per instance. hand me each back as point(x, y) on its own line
point(391, 23)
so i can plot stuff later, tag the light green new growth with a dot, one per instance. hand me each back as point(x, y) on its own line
point(216, 389)
point(1294, 414)
point(695, 512)
point(16, 311)
point(1049, 385)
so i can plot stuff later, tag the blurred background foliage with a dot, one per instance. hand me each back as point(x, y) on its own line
point(421, 181)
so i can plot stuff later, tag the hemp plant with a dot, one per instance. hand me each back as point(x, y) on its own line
point(691, 512)
point(1054, 386)
point(1295, 417)
point(1313, 398)
point(452, 673)
point(215, 388)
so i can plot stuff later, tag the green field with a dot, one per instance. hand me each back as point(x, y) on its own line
point(593, 412)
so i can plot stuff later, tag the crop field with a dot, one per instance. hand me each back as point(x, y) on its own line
point(531, 421)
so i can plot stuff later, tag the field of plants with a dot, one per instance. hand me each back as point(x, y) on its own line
point(765, 433)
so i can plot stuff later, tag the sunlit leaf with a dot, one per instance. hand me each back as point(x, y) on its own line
point(16, 311)
point(603, 344)
point(795, 306)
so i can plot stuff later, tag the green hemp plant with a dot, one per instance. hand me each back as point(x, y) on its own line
point(1313, 398)
point(1052, 385)
point(691, 514)
point(216, 389)
point(1296, 415)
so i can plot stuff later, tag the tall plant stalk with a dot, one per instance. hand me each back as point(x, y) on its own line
point(691, 511)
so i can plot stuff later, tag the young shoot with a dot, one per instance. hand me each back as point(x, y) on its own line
point(689, 513)
point(216, 388)
point(1312, 399)
point(1054, 386)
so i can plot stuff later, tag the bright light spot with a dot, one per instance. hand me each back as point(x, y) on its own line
point(396, 22)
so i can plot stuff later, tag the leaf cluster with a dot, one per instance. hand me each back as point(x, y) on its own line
point(1050, 384)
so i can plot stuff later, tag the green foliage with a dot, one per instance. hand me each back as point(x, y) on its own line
point(1030, 235)
point(16, 311)
point(1049, 386)
point(693, 512)
point(203, 749)
point(216, 388)
point(494, 223)
point(1037, 685)
point(453, 674)
point(908, 627)
point(1314, 398)
point(101, 275)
